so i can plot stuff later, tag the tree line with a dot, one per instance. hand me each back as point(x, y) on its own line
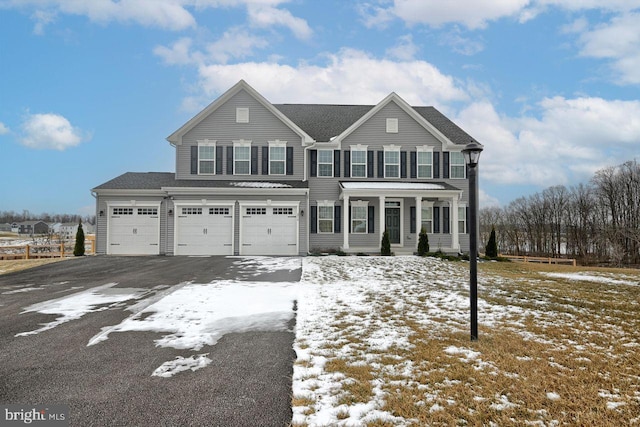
point(25, 215)
point(596, 223)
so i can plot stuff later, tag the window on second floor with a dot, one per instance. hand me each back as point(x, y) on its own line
point(391, 163)
point(206, 158)
point(462, 219)
point(457, 165)
point(277, 158)
point(325, 163)
point(425, 163)
point(241, 159)
point(358, 163)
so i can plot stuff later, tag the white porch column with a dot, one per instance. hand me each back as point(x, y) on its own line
point(455, 236)
point(381, 220)
point(418, 219)
point(345, 222)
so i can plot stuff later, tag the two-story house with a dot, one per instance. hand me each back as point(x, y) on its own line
point(255, 178)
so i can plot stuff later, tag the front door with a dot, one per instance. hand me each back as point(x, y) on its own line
point(392, 222)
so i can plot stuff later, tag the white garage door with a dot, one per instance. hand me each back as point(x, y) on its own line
point(134, 230)
point(202, 230)
point(269, 230)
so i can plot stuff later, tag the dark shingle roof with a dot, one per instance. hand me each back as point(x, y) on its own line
point(158, 180)
point(323, 122)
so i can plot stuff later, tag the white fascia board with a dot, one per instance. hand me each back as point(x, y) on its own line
point(398, 193)
point(234, 191)
point(127, 193)
point(176, 137)
point(406, 108)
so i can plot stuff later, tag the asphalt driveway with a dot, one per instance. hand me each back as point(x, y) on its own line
point(248, 382)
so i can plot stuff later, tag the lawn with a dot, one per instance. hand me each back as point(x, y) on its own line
point(385, 341)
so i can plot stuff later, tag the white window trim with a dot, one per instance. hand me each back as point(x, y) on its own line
point(424, 149)
point(392, 125)
point(330, 163)
point(207, 143)
point(242, 115)
point(326, 204)
point(278, 144)
point(237, 144)
point(389, 148)
point(359, 147)
point(359, 204)
point(464, 171)
point(426, 205)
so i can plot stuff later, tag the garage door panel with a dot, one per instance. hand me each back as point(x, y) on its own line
point(134, 231)
point(204, 230)
point(269, 231)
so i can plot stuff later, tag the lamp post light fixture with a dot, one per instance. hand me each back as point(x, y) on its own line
point(471, 154)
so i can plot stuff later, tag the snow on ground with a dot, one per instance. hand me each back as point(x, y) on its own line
point(590, 277)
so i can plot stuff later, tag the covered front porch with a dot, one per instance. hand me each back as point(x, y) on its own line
point(402, 209)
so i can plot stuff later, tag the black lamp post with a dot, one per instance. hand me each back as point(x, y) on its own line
point(471, 155)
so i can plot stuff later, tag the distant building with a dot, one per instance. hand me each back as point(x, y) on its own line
point(5, 227)
point(33, 227)
point(68, 230)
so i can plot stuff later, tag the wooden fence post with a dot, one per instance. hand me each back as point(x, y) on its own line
point(26, 252)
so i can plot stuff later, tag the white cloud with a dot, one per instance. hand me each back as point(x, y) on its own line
point(571, 139)
point(485, 200)
point(460, 44)
point(262, 15)
point(3, 129)
point(340, 80)
point(404, 50)
point(618, 41)
point(235, 43)
point(50, 131)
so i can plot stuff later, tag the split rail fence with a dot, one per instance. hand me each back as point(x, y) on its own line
point(543, 260)
point(57, 250)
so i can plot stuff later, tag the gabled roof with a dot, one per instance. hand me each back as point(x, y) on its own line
point(176, 137)
point(323, 122)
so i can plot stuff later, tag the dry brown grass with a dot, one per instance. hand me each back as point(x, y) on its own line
point(10, 266)
point(566, 353)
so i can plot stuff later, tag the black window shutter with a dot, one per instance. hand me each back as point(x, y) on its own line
point(336, 163)
point(313, 219)
point(337, 219)
point(403, 164)
point(436, 164)
point(380, 164)
point(313, 160)
point(265, 160)
point(413, 157)
point(371, 220)
point(466, 222)
point(446, 229)
point(369, 164)
point(445, 164)
point(254, 160)
point(219, 157)
point(412, 219)
point(229, 160)
point(347, 163)
point(289, 164)
point(436, 219)
point(194, 160)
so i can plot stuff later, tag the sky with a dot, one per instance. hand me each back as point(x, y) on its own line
point(91, 89)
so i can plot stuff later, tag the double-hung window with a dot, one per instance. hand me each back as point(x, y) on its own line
point(241, 158)
point(206, 158)
point(277, 158)
point(391, 162)
point(358, 162)
point(359, 217)
point(325, 217)
point(457, 165)
point(424, 159)
point(325, 162)
point(427, 217)
point(462, 219)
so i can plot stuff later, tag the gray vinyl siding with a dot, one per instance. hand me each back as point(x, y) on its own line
point(221, 126)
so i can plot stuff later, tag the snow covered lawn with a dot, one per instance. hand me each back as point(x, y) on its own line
point(385, 341)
